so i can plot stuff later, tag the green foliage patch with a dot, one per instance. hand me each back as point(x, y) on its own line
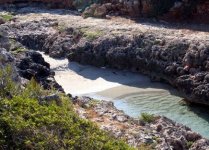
point(146, 117)
point(6, 17)
point(92, 35)
point(25, 123)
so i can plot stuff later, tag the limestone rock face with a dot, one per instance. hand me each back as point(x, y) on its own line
point(170, 10)
point(95, 10)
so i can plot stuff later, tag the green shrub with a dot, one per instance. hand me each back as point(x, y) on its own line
point(147, 117)
point(7, 85)
point(189, 144)
point(61, 27)
point(19, 50)
point(91, 35)
point(6, 17)
point(26, 124)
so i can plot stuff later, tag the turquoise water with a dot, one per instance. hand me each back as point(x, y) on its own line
point(163, 103)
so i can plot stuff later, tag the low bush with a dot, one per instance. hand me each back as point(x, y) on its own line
point(146, 117)
point(25, 123)
point(6, 17)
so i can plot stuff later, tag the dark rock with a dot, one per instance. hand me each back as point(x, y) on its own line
point(192, 136)
point(100, 11)
point(207, 78)
point(32, 65)
point(82, 101)
point(201, 144)
point(177, 144)
point(50, 98)
point(159, 127)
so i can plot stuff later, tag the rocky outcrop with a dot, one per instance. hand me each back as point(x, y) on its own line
point(181, 63)
point(132, 8)
point(161, 133)
point(32, 65)
point(26, 64)
point(169, 10)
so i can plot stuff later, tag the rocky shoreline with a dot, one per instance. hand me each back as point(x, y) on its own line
point(161, 133)
point(164, 57)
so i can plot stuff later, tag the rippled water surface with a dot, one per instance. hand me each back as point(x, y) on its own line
point(171, 106)
point(132, 93)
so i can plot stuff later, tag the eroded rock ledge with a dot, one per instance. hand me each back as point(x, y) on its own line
point(178, 57)
point(162, 133)
point(25, 64)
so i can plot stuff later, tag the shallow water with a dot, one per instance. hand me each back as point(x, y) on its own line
point(171, 106)
point(130, 92)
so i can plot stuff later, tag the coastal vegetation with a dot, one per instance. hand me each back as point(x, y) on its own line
point(147, 118)
point(27, 122)
point(6, 17)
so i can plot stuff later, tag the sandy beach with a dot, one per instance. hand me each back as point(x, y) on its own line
point(78, 79)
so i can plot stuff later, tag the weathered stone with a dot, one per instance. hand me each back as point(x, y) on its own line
point(201, 144)
point(192, 136)
point(100, 11)
point(163, 133)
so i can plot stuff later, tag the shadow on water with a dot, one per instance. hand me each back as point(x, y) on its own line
point(199, 110)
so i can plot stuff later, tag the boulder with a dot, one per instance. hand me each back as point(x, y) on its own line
point(32, 65)
point(192, 136)
point(202, 144)
point(100, 11)
point(50, 98)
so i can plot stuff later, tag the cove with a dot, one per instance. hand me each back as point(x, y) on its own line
point(133, 93)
